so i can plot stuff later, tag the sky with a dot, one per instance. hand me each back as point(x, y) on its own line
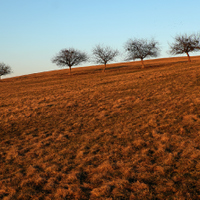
point(32, 32)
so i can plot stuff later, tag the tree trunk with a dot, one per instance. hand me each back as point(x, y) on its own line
point(142, 63)
point(104, 69)
point(70, 70)
point(189, 60)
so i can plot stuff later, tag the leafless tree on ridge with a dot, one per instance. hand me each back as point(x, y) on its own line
point(185, 44)
point(140, 49)
point(103, 55)
point(4, 69)
point(70, 57)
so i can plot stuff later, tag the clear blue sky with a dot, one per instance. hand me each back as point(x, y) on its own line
point(33, 31)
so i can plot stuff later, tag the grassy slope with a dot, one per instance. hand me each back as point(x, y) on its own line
point(128, 134)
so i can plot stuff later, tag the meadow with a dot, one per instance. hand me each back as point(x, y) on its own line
point(128, 133)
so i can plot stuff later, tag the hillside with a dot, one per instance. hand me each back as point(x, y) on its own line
point(126, 134)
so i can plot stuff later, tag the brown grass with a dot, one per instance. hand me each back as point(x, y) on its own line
point(126, 134)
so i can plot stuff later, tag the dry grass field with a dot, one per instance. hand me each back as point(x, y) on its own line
point(130, 133)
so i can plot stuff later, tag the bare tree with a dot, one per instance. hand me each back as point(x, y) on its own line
point(103, 55)
point(185, 44)
point(140, 49)
point(4, 69)
point(70, 57)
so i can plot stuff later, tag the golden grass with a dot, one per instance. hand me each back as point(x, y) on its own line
point(126, 134)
